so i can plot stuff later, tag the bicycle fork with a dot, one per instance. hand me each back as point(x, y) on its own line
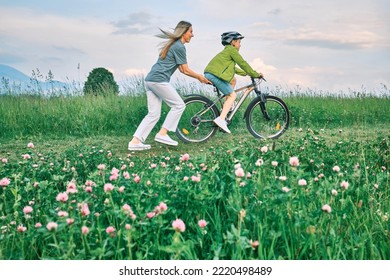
point(264, 109)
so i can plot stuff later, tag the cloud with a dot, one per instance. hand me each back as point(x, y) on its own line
point(59, 43)
point(135, 72)
point(340, 41)
point(309, 75)
point(234, 9)
point(69, 50)
point(29, 26)
point(320, 43)
point(343, 39)
point(275, 12)
point(347, 27)
point(260, 24)
point(259, 65)
point(7, 58)
point(135, 23)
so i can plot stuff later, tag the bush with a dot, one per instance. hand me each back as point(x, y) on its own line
point(100, 81)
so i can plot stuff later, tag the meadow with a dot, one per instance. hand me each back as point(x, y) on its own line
point(69, 189)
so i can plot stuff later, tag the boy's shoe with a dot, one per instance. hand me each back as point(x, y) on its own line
point(138, 147)
point(222, 124)
point(165, 139)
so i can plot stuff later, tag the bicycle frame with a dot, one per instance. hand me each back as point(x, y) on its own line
point(247, 89)
point(201, 115)
point(243, 97)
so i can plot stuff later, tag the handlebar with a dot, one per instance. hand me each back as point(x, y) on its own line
point(260, 78)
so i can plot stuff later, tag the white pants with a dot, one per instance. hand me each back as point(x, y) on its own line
point(155, 94)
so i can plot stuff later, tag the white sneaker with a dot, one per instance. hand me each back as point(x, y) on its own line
point(138, 147)
point(222, 124)
point(165, 139)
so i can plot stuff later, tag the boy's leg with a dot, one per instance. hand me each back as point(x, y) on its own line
point(228, 104)
point(233, 83)
point(228, 90)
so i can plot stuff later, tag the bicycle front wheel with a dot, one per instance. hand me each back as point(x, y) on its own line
point(267, 120)
point(196, 124)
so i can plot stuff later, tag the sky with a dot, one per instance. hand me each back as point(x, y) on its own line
point(328, 46)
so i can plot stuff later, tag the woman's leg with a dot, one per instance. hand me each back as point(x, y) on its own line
point(150, 120)
point(170, 96)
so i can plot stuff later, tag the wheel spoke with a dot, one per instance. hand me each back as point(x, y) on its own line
point(267, 120)
point(196, 123)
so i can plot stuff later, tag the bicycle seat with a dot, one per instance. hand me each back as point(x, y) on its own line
point(215, 89)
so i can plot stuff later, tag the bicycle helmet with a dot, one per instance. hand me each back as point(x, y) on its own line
point(227, 37)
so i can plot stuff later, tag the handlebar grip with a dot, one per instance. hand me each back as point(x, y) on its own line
point(260, 78)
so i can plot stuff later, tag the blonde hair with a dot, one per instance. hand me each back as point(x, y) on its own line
point(180, 29)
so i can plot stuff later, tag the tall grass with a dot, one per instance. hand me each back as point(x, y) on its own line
point(332, 112)
point(77, 116)
point(22, 116)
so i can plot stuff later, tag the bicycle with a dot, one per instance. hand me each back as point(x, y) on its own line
point(267, 116)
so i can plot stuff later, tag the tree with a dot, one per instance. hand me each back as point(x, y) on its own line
point(100, 81)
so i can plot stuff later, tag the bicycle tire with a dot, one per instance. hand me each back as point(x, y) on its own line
point(196, 123)
point(277, 112)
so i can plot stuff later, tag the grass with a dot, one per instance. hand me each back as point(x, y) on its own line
point(120, 115)
point(239, 210)
point(257, 204)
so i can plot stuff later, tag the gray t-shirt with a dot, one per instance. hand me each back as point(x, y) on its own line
point(163, 69)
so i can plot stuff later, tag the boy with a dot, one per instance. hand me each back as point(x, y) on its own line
point(222, 68)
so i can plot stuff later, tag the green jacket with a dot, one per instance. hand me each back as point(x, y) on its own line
point(223, 65)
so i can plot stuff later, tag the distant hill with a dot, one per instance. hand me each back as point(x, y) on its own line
point(13, 74)
point(15, 79)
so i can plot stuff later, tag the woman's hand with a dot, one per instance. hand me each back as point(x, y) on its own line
point(202, 79)
point(187, 71)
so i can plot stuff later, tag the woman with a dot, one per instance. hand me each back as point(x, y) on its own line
point(222, 68)
point(158, 88)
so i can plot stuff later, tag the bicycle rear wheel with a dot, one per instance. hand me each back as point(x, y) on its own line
point(267, 120)
point(196, 124)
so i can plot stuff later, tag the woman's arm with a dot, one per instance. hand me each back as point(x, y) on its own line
point(183, 68)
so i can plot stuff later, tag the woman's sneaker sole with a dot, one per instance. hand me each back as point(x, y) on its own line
point(138, 148)
point(162, 141)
